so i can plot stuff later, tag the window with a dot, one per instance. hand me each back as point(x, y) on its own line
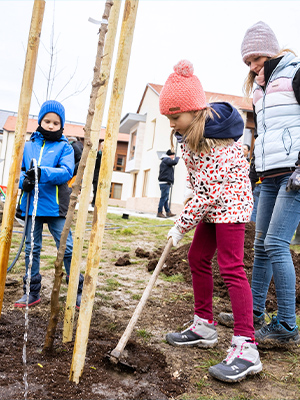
point(132, 145)
point(115, 191)
point(134, 184)
point(120, 162)
point(152, 134)
point(146, 176)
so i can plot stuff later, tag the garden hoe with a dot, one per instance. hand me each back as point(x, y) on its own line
point(115, 354)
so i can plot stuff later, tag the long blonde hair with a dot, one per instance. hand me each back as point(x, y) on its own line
point(194, 136)
point(249, 81)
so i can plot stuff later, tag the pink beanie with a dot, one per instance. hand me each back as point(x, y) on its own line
point(182, 91)
point(259, 40)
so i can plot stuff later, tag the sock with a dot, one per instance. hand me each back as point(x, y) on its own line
point(257, 313)
point(208, 321)
point(287, 326)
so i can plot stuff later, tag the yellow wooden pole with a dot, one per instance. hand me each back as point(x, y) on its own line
point(89, 171)
point(20, 136)
point(54, 315)
point(104, 183)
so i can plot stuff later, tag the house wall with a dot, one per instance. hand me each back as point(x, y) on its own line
point(6, 152)
point(150, 143)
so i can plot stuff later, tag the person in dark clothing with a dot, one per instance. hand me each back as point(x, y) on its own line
point(96, 172)
point(166, 179)
point(78, 149)
point(54, 167)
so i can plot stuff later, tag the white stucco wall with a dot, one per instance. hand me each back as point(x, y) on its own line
point(150, 147)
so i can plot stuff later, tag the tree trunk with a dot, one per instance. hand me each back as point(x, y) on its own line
point(88, 173)
point(20, 137)
point(104, 183)
point(96, 84)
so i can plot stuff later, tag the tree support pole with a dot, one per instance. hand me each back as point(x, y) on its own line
point(20, 137)
point(89, 172)
point(104, 183)
point(96, 84)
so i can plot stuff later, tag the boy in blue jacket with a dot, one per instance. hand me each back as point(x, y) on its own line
point(55, 165)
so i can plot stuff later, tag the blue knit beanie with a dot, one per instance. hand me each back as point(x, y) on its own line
point(52, 106)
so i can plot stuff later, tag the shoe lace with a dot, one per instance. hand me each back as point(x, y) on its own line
point(271, 326)
point(231, 353)
point(194, 323)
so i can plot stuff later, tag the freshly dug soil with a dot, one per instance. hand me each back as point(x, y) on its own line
point(149, 367)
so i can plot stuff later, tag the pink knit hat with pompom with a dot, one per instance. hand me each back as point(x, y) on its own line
point(182, 91)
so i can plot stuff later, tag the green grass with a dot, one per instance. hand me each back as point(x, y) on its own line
point(172, 278)
point(136, 296)
point(144, 334)
point(118, 247)
point(111, 285)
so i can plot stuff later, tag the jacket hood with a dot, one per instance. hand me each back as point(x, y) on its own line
point(38, 135)
point(229, 124)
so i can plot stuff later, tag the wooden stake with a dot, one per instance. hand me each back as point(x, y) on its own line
point(20, 137)
point(96, 84)
point(89, 171)
point(104, 183)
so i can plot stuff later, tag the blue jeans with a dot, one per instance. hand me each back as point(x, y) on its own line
point(255, 193)
point(164, 197)
point(55, 225)
point(278, 215)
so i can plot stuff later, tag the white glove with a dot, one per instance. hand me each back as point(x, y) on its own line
point(187, 195)
point(175, 235)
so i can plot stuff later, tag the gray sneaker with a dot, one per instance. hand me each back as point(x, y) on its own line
point(242, 360)
point(200, 333)
point(276, 335)
point(227, 320)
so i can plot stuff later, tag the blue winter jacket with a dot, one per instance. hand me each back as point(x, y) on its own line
point(56, 161)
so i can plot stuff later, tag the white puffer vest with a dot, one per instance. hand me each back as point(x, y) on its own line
point(278, 118)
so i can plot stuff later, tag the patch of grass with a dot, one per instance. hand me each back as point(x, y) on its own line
point(207, 363)
point(127, 232)
point(111, 285)
point(118, 247)
point(136, 296)
point(103, 296)
point(144, 334)
point(47, 266)
point(187, 296)
point(172, 278)
point(112, 326)
point(48, 257)
point(202, 383)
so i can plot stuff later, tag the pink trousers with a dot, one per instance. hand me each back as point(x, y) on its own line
point(229, 240)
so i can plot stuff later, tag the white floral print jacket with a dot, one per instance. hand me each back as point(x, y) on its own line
point(221, 187)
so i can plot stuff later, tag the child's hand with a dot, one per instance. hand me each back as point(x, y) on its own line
point(28, 185)
point(30, 173)
point(294, 181)
point(175, 235)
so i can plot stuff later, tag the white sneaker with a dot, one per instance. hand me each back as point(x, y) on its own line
point(201, 333)
point(242, 360)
